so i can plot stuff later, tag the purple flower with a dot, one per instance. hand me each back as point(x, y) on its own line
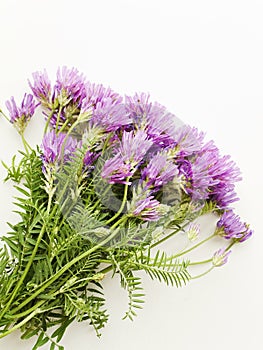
point(189, 140)
point(41, 88)
point(209, 176)
point(98, 94)
point(152, 117)
point(147, 209)
point(21, 115)
point(230, 226)
point(129, 154)
point(134, 146)
point(198, 176)
point(57, 148)
point(226, 173)
point(138, 107)
point(109, 115)
point(220, 257)
point(89, 159)
point(116, 171)
point(159, 171)
point(70, 85)
point(105, 107)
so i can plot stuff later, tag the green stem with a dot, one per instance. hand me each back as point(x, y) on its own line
point(48, 121)
point(4, 115)
point(195, 246)
point(120, 221)
point(201, 262)
point(27, 268)
point(63, 127)
point(58, 117)
point(21, 280)
point(106, 143)
point(25, 143)
point(106, 269)
point(28, 311)
point(124, 200)
point(62, 270)
point(20, 324)
point(169, 236)
point(204, 273)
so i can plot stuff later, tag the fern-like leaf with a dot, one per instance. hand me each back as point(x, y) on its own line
point(133, 286)
point(161, 267)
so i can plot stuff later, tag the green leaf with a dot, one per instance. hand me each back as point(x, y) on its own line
point(59, 332)
point(40, 341)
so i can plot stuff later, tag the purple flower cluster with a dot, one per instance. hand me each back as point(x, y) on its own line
point(230, 226)
point(41, 88)
point(147, 209)
point(159, 171)
point(220, 257)
point(20, 115)
point(130, 152)
point(57, 148)
point(72, 95)
point(153, 118)
point(146, 144)
point(70, 85)
point(208, 175)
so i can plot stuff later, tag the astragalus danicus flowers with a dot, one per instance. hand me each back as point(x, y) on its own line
point(111, 180)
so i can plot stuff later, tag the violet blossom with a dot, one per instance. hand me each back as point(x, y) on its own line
point(220, 257)
point(70, 85)
point(159, 171)
point(109, 115)
point(147, 209)
point(41, 88)
point(226, 173)
point(189, 140)
point(210, 176)
point(115, 170)
point(151, 117)
point(129, 153)
point(57, 148)
point(20, 115)
point(98, 94)
point(230, 226)
point(198, 176)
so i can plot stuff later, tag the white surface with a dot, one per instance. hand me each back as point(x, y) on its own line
point(203, 60)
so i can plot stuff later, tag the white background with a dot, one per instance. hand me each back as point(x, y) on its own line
point(204, 61)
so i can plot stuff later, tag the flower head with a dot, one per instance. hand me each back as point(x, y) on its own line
point(189, 140)
point(57, 148)
point(98, 94)
point(198, 175)
point(225, 173)
point(109, 115)
point(159, 171)
point(41, 87)
point(20, 116)
point(130, 152)
point(115, 170)
point(230, 226)
point(147, 209)
point(153, 118)
point(134, 146)
point(210, 176)
point(70, 85)
point(220, 257)
point(193, 231)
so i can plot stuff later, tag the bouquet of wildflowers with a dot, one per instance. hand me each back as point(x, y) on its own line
point(112, 179)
